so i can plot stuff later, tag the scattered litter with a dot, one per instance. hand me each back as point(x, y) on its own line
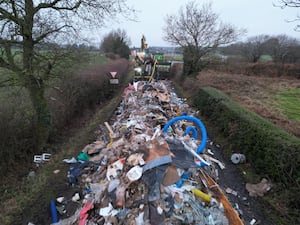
point(46, 156)
point(41, 158)
point(259, 189)
point(220, 164)
point(60, 199)
point(37, 159)
point(53, 211)
point(230, 191)
point(84, 213)
point(115, 168)
point(253, 221)
point(76, 197)
point(135, 173)
point(202, 195)
point(209, 151)
point(108, 211)
point(146, 167)
point(237, 158)
point(56, 171)
point(71, 160)
point(237, 208)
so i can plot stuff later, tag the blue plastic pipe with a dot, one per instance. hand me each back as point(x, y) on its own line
point(193, 130)
point(195, 120)
point(53, 212)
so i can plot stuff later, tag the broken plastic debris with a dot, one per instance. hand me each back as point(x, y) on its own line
point(37, 159)
point(76, 197)
point(160, 210)
point(71, 160)
point(83, 156)
point(114, 168)
point(220, 164)
point(209, 151)
point(41, 158)
point(230, 191)
point(60, 199)
point(253, 221)
point(135, 173)
point(46, 156)
point(108, 211)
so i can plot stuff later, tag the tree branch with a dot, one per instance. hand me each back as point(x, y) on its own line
point(53, 6)
point(44, 35)
point(4, 14)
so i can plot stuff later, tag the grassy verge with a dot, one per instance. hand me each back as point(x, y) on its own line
point(30, 197)
point(289, 103)
point(272, 152)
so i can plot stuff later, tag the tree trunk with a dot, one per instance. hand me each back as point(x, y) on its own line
point(34, 84)
point(42, 120)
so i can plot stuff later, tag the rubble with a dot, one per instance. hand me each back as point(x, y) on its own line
point(149, 168)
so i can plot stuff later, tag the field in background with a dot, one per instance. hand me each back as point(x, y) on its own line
point(276, 99)
point(289, 102)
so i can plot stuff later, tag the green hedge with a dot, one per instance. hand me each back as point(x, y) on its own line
point(271, 151)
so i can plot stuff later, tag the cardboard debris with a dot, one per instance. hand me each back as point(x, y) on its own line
point(136, 174)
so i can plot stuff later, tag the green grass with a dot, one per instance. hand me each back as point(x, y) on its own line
point(289, 102)
point(265, 58)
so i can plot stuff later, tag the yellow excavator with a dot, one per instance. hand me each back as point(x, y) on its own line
point(149, 66)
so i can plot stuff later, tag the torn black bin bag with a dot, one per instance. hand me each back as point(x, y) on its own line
point(182, 159)
point(153, 174)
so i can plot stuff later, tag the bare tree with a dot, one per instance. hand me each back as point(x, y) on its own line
point(254, 47)
point(282, 49)
point(290, 3)
point(117, 41)
point(198, 31)
point(280, 46)
point(27, 26)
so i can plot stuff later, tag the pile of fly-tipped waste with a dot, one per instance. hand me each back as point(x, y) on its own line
point(146, 167)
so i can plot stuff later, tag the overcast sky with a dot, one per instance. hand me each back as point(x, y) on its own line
point(257, 16)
